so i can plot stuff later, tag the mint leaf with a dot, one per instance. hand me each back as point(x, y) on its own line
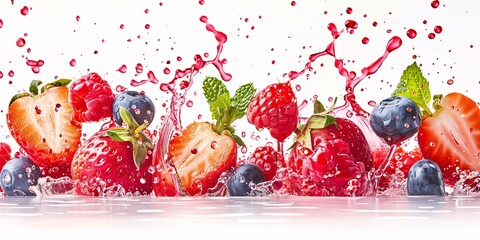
point(213, 88)
point(414, 86)
point(220, 107)
point(242, 97)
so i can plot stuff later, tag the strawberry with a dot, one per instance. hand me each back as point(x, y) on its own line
point(275, 108)
point(333, 153)
point(91, 98)
point(115, 161)
point(41, 124)
point(5, 153)
point(268, 160)
point(450, 136)
point(204, 151)
point(397, 169)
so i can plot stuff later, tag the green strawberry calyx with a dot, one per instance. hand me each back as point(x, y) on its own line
point(225, 109)
point(321, 118)
point(33, 89)
point(416, 87)
point(132, 132)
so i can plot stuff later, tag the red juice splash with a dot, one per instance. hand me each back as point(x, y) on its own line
point(24, 11)
point(351, 108)
point(171, 124)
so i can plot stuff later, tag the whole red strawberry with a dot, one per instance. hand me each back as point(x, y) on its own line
point(333, 153)
point(274, 108)
point(5, 155)
point(268, 160)
point(115, 161)
point(91, 98)
point(333, 169)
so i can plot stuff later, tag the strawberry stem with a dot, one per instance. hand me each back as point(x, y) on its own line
point(134, 134)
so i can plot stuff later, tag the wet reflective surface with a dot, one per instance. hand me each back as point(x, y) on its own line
point(240, 218)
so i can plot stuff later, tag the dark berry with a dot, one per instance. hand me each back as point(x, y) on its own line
point(139, 105)
point(18, 175)
point(246, 174)
point(395, 119)
point(425, 178)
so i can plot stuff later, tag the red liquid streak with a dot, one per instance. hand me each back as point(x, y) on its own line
point(172, 123)
point(351, 79)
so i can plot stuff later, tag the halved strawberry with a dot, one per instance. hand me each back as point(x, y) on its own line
point(451, 136)
point(204, 151)
point(41, 124)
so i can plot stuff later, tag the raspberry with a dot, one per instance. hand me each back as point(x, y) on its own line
point(91, 98)
point(274, 108)
point(396, 171)
point(334, 171)
point(268, 160)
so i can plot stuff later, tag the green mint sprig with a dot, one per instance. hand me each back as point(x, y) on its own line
point(416, 87)
point(225, 109)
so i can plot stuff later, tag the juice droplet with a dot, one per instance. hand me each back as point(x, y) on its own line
point(450, 81)
point(438, 29)
point(120, 88)
point(11, 73)
point(201, 2)
point(20, 42)
point(189, 103)
point(24, 11)
point(351, 24)
point(179, 59)
point(139, 68)
point(1, 74)
point(431, 35)
point(122, 69)
point(372, 103)
point(435, 4)
point(349, 10)
point(1, 23)
point(122, 26)
point(293, 3)
point(374, 24)
point(73, 62)
point(166, 71)
point(394, 43)
point(147, 26)
point(365, 40)
point(411, 33)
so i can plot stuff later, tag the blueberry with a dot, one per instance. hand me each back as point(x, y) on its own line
point(425, 178)
point(18, 175)
point(139, 105)
point(239, 183)
point(395, 119)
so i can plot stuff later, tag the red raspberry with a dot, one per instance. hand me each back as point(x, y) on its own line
point(274, 108)
point(268, 160)
point(91, 98)
point(333, 169)
point(396, 171)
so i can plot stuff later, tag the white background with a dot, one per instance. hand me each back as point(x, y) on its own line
point(294, 32)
